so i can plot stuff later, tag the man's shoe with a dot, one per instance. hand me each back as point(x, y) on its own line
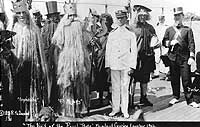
point(112, 114)
point(195, 105)
point(173, 101)
point(126, 115)
point(145, 102)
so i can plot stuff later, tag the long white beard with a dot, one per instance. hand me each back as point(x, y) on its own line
point(71, 59)
point(24, 42)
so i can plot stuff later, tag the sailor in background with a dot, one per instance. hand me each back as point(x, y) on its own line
point(160, 67)
point(121, 58)
point(180, 40)
point(102, 77)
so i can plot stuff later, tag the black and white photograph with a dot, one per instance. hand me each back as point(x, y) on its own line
point(100, 63)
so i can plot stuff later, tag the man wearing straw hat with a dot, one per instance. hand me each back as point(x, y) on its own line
point(180, 40)
point(73, 64)
point(121, 59)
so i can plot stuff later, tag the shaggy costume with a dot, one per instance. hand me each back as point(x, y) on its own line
point(32, 69)
point(73, 67)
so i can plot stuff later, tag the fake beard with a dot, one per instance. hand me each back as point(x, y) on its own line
point(24, 42)
point(71, 58)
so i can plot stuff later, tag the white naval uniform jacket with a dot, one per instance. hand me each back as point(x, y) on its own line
point(121, 49)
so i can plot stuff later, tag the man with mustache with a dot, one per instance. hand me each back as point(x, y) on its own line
point(180, 40)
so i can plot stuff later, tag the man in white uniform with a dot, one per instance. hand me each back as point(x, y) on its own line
point(160, 30)
point(121, 58)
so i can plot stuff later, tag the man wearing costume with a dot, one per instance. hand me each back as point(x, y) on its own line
point(37, 16)
point(31, 72)
point(180, 40)
point(102, 76)
point(73, 64)
point(145, 59)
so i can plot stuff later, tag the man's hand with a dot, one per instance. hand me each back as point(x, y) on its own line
point(108, 70)
point(131, 72)
point(174, 42)
point(191, 61)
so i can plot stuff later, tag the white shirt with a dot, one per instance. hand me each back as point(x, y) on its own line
point(121, 49)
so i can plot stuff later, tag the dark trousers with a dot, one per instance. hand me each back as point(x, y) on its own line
point(182, 71)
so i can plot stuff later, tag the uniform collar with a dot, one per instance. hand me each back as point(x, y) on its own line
point(178, 25)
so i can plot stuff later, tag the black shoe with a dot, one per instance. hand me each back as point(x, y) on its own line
point(145, 102)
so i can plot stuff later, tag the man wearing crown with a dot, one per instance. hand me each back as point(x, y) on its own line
point(73, 64)
point(160, 67)
point(32, 69)
point(180, 41)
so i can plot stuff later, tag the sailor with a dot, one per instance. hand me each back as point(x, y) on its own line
point(121, 58)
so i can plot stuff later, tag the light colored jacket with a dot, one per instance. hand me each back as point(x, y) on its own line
point(121, 49)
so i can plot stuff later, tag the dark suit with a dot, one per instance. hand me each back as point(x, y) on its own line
point(179, 55)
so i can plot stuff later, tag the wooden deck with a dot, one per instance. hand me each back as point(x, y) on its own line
point(179, 112)
point(160, 94)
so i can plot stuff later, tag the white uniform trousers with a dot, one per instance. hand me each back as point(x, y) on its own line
point(157, 60)
point(120, 84)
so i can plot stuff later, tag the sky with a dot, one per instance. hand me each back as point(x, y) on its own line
point(113, 5)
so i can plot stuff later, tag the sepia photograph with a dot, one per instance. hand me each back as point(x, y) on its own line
point(100, 63)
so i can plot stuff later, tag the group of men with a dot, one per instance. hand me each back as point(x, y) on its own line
point(59, 67)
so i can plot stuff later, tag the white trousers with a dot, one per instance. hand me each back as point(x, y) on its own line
point(160, 67)
point(157, 60)
point(120, 95)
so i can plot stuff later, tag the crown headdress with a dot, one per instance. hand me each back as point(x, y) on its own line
point(21, 5)
point(70, 7)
